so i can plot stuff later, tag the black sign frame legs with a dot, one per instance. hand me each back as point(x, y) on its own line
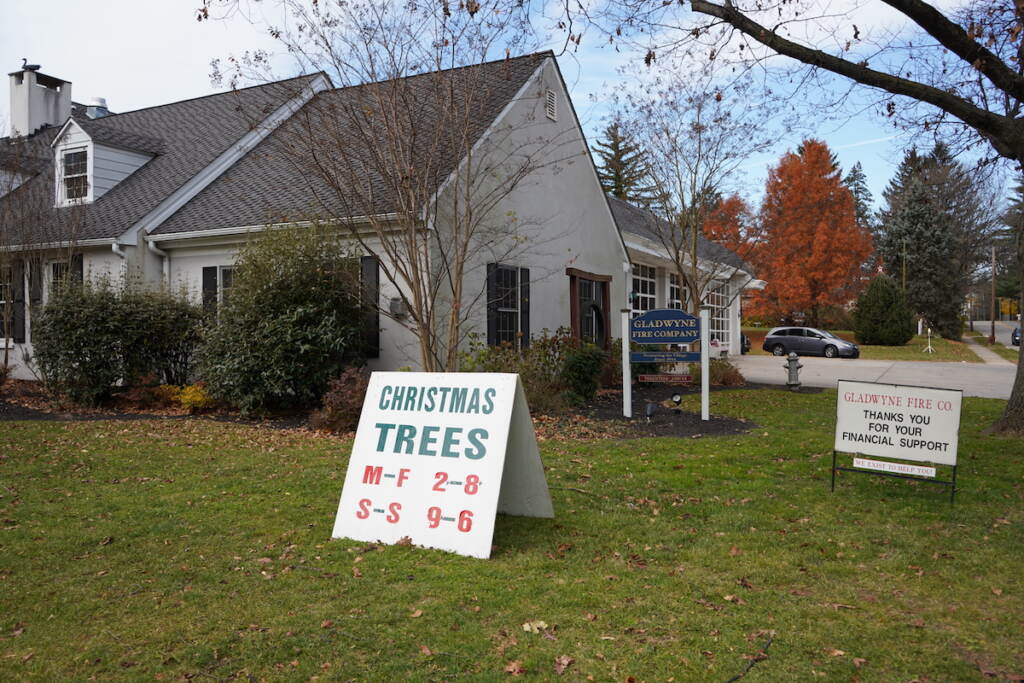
point(942, 482)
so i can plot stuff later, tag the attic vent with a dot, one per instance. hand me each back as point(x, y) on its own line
point(550, 105)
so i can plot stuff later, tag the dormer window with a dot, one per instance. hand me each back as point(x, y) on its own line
point(76, 174)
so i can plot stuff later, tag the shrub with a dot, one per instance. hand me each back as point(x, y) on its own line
point(195, 397)
point(76, 343)
point(291, 323)
point(882, 315)
point(343, 402)
point(581, 370)
point(90, 338)
point(540, 367)
point(723, 374)
point(611, 370)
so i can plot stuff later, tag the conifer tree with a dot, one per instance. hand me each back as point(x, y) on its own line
point(622, 167)
point(857, 183)
point(882, 315)
point(946, 234)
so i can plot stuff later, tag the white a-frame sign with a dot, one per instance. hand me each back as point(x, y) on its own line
point(436, 456)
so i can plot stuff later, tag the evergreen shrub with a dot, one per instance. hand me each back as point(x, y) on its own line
point(291, 323)
point(882, 315)
point(90, 338)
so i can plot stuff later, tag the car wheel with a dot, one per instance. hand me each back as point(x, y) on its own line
point(830, 351)
point(778, 350)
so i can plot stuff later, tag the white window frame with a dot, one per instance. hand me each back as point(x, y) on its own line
point(717, 298)
point(220, 281)
point(646, 277)
point(6, 341)
point(675, 292)
point(62, 199)
point(517, 340)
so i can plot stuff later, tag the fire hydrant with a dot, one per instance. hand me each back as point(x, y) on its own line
point(793, 366)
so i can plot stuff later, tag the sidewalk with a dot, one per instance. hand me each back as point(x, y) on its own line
point(987, 356)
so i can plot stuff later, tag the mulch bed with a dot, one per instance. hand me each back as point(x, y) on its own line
point(600, 419)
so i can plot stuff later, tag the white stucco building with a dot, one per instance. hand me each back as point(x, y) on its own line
point(166, 195)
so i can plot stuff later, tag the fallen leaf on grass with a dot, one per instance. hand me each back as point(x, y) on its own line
point(326, 623)
point(997, 591)
point(515, 667)
point(836, 653)
point(562, 663)
point(734, 599)
point(734, 551)
point(416, 613)
point(745, 582)
point(356, 572)
point(404, 540)
point(838, 605)
point(858, 661)
point(426, 650)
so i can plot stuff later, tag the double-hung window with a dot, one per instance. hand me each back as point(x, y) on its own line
point(6, 304)
point(644, 288)
point(75, 169)
point(217, 281)
point(675, 299)
point(718, 300)
point(508, 305)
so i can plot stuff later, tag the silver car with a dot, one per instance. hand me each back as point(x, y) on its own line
point(808, 341)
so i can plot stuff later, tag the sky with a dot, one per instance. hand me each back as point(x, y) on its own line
point(140, 53)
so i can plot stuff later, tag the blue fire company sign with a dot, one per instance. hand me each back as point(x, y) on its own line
point(664, 326)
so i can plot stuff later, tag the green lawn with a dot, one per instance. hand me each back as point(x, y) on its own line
point(189, 548)
point(1010, 353)
point(945, 350)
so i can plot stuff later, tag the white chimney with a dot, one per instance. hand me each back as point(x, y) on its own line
point(37, 100)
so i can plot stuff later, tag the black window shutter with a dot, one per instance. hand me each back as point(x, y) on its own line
point(210, 288)
point(77, 268)
point(524, 307)
point(35, 284)
point(18, 309)
point(370, 298)
point(492, 304)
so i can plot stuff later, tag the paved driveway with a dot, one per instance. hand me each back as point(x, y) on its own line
point(975, 379)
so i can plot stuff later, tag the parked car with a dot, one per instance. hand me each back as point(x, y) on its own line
point(1015, 337)
point(744, 344)
point(808, 341)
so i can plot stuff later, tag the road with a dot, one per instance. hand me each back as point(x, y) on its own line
point(975, 379)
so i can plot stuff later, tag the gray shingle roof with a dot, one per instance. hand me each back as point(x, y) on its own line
point(275, 182)
point(185, 136)
point(637, 221)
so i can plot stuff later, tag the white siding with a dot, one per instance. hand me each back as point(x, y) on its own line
point(111, 165)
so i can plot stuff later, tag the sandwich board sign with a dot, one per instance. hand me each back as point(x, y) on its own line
point(897, 422)
point(436, 456)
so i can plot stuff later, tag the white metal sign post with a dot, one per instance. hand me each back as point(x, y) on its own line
point(705, 364)
point(436, 456)
point(920, 424)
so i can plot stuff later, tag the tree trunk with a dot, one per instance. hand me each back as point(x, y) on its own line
point(1013, 416)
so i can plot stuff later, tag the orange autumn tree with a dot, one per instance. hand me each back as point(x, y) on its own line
point(731, 224)
point(813, 248)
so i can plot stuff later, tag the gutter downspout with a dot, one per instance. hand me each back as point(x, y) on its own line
point(116, 248)
point(151, 245)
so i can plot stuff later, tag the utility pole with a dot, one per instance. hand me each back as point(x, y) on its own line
point(992, 333)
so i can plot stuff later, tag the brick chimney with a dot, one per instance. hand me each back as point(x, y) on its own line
point(37, 100)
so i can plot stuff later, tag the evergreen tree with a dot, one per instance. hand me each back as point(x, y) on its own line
point(882, 315)
point(917, 241)
point(857, 183)
point(623, 168)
